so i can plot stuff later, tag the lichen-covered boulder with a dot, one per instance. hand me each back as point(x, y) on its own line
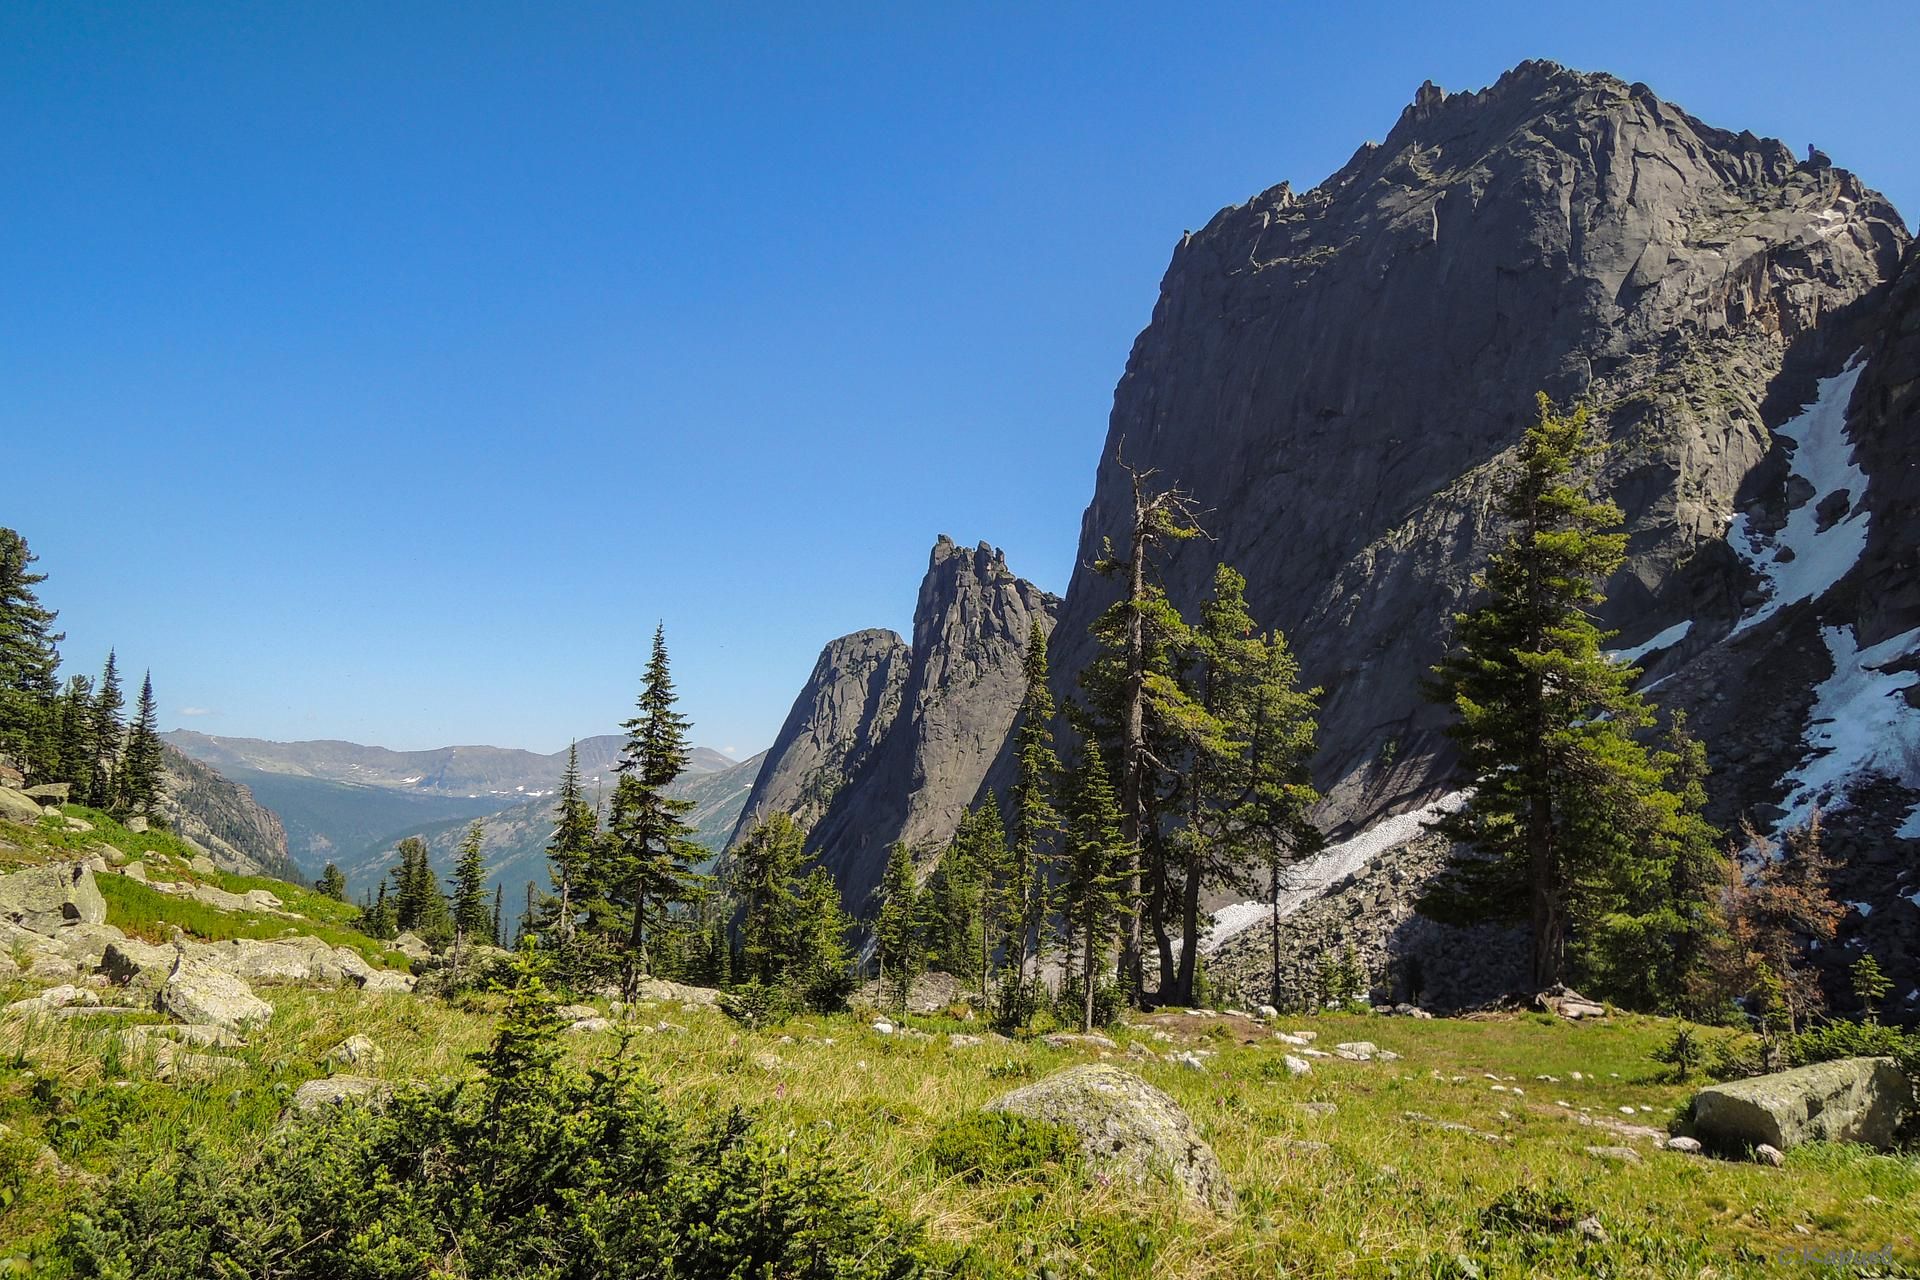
point(198, 992)
point(43, 899)
point(15, 807)
point(334, 1091)
point(1849, 1100)
point(1128, 1130)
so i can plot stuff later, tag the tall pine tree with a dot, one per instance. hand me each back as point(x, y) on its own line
point(1094, 873)
point(145, 760)
point(897, 928)
point(576, 836)
point(648, 839)
point(1034, 830)
point(29, 662)
point(1567, 803)
point(108, 731)
point(472, 913)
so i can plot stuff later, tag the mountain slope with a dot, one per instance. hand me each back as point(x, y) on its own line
point(224, 817)
point(515, 838)
point(455, 771)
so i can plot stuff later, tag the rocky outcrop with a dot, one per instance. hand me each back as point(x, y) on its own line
point(1129, 1131)
point(1851, 1100)
point(221, 816)
point(1337, 375)
point(844, 711)
point(890, 742)
point(199, 993)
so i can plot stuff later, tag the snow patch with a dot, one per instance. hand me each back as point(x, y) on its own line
point(1301, 884)
point(1864, 908)
point(1859, 726)
point(1814, 559)
point(1665, 640)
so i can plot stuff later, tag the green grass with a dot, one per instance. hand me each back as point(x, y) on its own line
point(1384, 1196)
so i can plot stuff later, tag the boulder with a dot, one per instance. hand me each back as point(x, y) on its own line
point(355, 1051)
point(132, 962)
point(412, 946)
point(677, 992)
point(386, 981)
point(1568, 1003)
point(1850, 1100)
point(1128, 1129)
point(1078, 1040)
point(42, 899)
point(54, 998)
point(15, 807)
point(334, 1091)
point(196, 991)
point(137, 824)
point(49, 792)
point(588, 1026)
point(1296, 1066)
point(86, 944)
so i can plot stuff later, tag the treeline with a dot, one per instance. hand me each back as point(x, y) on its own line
point(76, 732)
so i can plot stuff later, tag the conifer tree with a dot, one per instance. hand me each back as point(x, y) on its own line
point(29, 661)
point(1772, 914)
point(420, 904)
point(576, 836)
point(1564, 795)
point(472, 915)
point(145, 760)
point(379, 919)
point(764, 876)
point(78, 754)
point(332, 883)
point(649, 841)
point(823, 970)
point(108, 730)
point(954, 895)
point(1035, 820)
point(499, 904)
point(897, 927)
point(1870, 985)
point(1093, 873)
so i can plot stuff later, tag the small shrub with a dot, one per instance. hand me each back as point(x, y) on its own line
point(1531, 1211)
point(1686, 1053)
point(1842, 1039)
point(534, 1169)
point(1015, 1002)
point(992, 1145)
point(758, 1004)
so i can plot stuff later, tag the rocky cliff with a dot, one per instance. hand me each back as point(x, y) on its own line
point(1338, 375)
point(222, 816)
point(890, 741)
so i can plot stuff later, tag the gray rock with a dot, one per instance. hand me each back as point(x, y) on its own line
point(1684, 1145)
point(1078, 1040)
point(197, 992)
point(1765, 1153)
point(412, 946)
point(1357, 1050)
point(49, 792)
point(356, 1051)
point(335, 1091)
point(54, 998)
point(1617, 1155)
point(44, 899)
point(387, 982)
point(677, 992)
point(1129, 1130)
point(588, 1026)
point(1296, 1066)
point(1851, 1100)
point(137, 824)
point(15, 807)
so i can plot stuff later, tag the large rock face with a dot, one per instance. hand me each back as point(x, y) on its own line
point(1336, 375)
point(1339, 376)
point(892, 742)
point(1852, 1100)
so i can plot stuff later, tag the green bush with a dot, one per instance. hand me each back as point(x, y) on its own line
point(535, 1170)
point(996, 1146)
point(1531, 1211)
point(1842, 1039)
point(1015, 1002)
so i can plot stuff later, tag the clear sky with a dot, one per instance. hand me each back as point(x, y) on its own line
point(385, 371)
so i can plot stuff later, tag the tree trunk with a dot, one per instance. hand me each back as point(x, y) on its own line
point(1133, 780)
point(1549, 928)
point(1190, 928)
point(1086, 979)
point(1275, 939)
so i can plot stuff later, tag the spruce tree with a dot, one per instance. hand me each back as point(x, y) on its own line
point(332, 883)
point(145, 759)
point(78, 754)
point(29, 662)
point(1141, 708)
point(108, 730)
point(576, 836)
point(764, 876)
point(954, 898)
point(823, 970)
point(897, 927)
point(1564, 795)
point(472, 914)
point(1034, 829)
point(1093, 873)
point(499, 905)
point(649, 840)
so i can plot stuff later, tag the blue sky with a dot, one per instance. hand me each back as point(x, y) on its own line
point(386, 371)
